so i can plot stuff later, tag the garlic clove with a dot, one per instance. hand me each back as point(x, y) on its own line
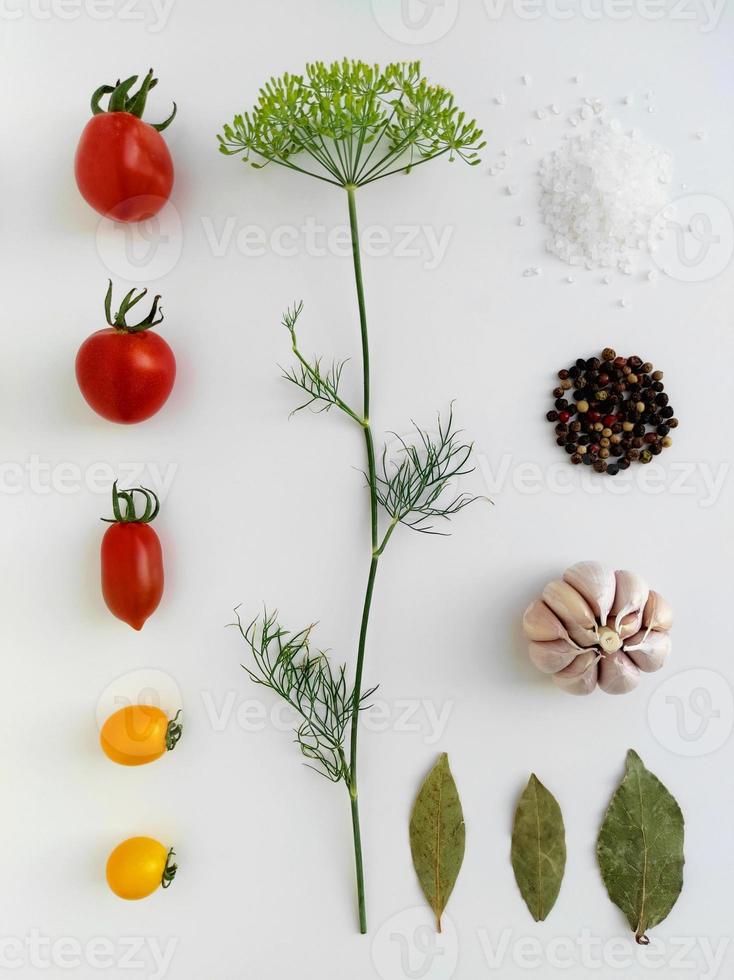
point(617, 673)
point(541, 625)
point(628, 625)
point(573, 610)
point(657, 614)
point(648, 649)
point(553, 655)
point(596, 584)
point(580, 676)
point(631, 595)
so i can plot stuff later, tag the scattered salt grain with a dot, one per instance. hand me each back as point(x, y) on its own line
point(527, 80)
point(521, 221)
point(555, 109)
point(540, 113)
point(500, 99)
point(601, 196)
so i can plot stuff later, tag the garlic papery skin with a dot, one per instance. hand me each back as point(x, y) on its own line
point(617, 673)
point(541, 625)
point(657, 614)
point(553, 655)
point(580, 677)
point(649, 649)
point(573, 610)
point(596, 584)
point(631, 595)
point(609, 640)
point(596, 626)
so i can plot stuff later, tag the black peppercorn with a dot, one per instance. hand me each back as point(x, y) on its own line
point(608, 354)
point(563, 374)
point(663, 430)
point(561, 441)
point(600, 466)
point(612, 469)
point(576, 459)
point(561, 404)
point(624, 464)
point(552, 416)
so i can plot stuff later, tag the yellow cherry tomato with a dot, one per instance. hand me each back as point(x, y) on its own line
point(138, 866)
point(139, 733)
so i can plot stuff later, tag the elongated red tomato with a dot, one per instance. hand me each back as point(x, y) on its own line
point(122, 166)
point(126, 371)
point(132, 559)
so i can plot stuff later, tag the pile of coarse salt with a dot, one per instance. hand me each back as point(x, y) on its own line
point(602, 194)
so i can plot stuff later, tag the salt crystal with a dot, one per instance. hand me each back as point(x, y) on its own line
point(628, 99)
point(500, 99)
point(570, 279)
point(540, 113)
point(577, 79)
point(601, 196)
point(624, 301)
point(555, 110)
point(700, 134)
point(529, 141)
point(606, 280)
point(511, 189)
point(527, 79)
point(521, 221)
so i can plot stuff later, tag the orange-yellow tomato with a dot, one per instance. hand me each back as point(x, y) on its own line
point(137, 734)
point(138, 866)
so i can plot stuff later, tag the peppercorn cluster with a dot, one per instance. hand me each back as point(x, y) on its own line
point(612, 411)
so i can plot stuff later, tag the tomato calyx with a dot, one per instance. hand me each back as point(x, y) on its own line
point(169, 872)
point(122, 101)
point(154, 317)
point(129, 516)
point(174, 732)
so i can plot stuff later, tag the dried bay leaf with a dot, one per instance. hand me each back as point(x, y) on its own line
point(538, 848)
point(437, 836)
point(640, 848)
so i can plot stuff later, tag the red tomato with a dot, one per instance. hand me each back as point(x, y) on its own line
point(122, 166)
point(132, 560)
point(126, 372)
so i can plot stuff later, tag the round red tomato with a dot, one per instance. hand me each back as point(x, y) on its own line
point(123, 167)
point(126, 372)
point(132, 559)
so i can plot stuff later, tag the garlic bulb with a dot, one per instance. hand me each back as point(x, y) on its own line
point(596, 626)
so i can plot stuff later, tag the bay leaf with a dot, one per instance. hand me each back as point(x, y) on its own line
point(538, 848)
point(437, 836)
point(640, 848)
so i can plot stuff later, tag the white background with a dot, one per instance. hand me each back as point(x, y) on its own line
point(260, 508)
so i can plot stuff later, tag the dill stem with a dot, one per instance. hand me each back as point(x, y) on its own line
point(375, 557)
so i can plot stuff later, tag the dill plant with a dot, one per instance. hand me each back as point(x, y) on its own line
point(350, 124)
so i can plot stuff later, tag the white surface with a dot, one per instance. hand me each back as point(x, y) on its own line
point(261, 508)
